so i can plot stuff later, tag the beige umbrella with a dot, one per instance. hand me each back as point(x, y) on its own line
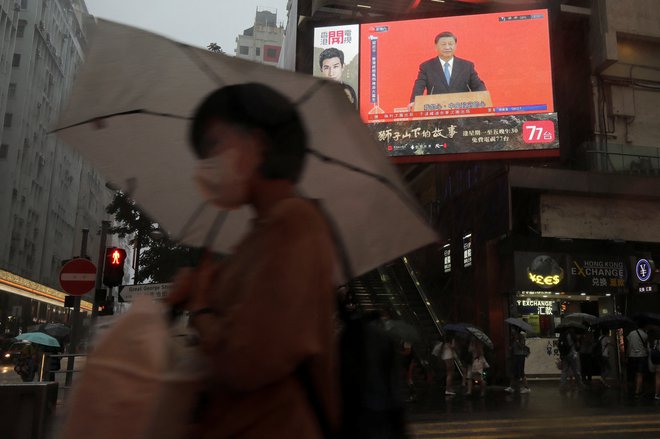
point(129, 115)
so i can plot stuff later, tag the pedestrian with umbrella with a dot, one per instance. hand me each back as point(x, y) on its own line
point(568, 353)
point(637, 353)
point(255, 158)
point(247, 158)
point(446, 351)
point(518, 352)
point(265, 143)
point(37, 343)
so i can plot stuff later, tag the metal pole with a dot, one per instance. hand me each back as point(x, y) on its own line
point(138, 248)
point(75, 325)
point(105, 227)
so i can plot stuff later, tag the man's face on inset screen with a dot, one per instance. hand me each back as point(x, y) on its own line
point(446, 46)
point(332, 68)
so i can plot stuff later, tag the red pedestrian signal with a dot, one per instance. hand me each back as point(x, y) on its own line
point(117, 257)
point(113, 272)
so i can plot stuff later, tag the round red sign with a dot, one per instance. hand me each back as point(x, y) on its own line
point(78, 277)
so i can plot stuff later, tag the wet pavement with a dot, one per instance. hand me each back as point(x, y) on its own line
point(545, 412)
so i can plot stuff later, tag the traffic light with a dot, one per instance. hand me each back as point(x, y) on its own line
point(106, 307)
point(113, 273)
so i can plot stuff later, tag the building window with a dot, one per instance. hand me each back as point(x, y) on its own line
point(24, 4)
point(258, 49)
point(20, 30)
point(272, 53)
point(8, 119)
point(16, 62)
point(11, 91)
point(467, 250)
point(244, 50)
point(446, 255)
point(4, 151)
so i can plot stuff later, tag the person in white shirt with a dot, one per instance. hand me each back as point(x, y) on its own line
point(637, 351)
point(445, 351)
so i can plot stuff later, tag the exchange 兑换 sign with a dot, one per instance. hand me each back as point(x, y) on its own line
point(597, 273)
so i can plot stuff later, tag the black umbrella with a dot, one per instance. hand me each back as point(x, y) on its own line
point(647, 318)
point(456, 327)
point(402, 330)
point(611, 321)
point(571, 324)
point(481, 336)
point(581, 317)
point(57, 330)
point(520, 323)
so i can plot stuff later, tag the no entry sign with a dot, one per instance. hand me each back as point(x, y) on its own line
point(78, 277)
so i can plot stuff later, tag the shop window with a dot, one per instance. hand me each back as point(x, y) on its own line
point(467, 250)
point(446, 255)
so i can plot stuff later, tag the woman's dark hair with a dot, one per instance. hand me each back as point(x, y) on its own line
point(259, 107)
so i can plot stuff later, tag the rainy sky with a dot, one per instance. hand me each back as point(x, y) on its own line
point(196, 22)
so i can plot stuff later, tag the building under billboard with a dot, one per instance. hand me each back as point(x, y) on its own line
point(543, 182)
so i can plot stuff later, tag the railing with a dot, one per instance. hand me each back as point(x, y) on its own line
point(639, 160)
point(68, 370)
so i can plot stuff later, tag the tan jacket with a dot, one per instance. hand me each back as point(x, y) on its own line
point(275, 303)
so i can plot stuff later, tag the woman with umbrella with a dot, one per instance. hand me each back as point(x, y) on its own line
point(446, 351)
point(518, 352)
point(267, 309)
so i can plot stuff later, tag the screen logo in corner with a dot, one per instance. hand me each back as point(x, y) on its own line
point(539, 131)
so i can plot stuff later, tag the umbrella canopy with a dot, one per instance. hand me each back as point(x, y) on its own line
point(456, 327)
point(57, 330)
point(581, 317)
point(568, 324)
point(611, 321)
point(403, 331)
point(647, 318)
point(129, 116)
point(481, 336)
point(520, 323)
point(39, 338)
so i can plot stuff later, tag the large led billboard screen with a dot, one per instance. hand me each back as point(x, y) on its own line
point(493, 99)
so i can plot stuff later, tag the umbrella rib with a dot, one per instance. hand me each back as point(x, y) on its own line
point(121, 113)
point(191, 220)
point(310, 92)
point(334, 230)
point(218, 222)
point(203, 65)
point(387, 183)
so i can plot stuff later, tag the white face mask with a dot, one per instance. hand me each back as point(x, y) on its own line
point(220, 180)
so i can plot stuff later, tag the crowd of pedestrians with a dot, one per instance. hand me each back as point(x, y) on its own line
point(585, 355)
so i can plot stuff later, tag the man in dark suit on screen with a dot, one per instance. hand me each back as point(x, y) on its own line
point(446, 73)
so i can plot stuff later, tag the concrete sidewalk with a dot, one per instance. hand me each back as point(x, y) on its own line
point(545, 399)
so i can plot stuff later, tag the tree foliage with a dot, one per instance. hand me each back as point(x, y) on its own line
point(214, 47)
point(160, 258)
